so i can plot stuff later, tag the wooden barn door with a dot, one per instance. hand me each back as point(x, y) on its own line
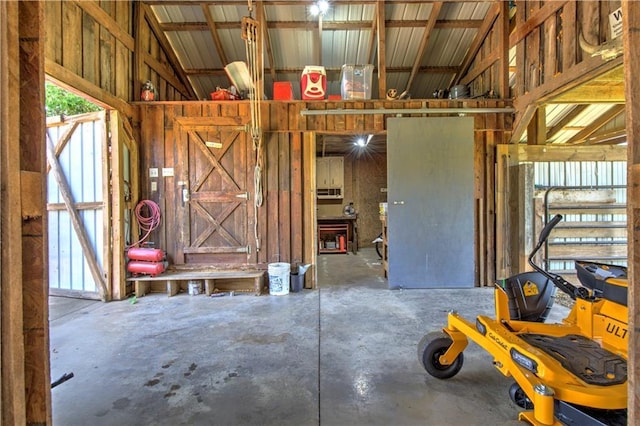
point(215, 189)
point(77, 190)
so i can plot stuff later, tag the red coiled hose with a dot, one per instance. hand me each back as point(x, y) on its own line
point(148, 222)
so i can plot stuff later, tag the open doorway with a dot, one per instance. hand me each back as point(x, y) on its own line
point(351, 180)
point(91, 183)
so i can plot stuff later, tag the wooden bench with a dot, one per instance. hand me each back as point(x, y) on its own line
point(142, 283)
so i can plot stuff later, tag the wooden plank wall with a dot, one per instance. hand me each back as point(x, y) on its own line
point(548, 53)
point(286, 236)
point(105, 61)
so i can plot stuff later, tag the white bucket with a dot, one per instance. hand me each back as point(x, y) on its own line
point(195, 288)
point(279, 278)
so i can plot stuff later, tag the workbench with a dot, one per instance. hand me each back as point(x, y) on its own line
point(336, 226)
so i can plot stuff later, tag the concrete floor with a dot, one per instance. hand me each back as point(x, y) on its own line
point(344, 354)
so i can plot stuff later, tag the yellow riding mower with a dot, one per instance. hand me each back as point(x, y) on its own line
point(572, 373)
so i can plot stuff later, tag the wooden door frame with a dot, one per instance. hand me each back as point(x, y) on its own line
point(309, 200)
point(511, 249)
point(118, 204)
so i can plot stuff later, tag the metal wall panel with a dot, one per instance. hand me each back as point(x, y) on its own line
point(82, 163)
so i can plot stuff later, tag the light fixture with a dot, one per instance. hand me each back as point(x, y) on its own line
point(362, 142)
point(319, 8)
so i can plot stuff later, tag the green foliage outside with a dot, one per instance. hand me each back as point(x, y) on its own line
point(61, 102)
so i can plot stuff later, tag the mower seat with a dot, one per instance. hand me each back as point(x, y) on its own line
point(531, 296)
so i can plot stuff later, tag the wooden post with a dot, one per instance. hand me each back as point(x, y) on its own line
point(12, 402)
point(503, 41)
point(631, 38)
point(309, 220)
point(35, 291)
point(382, 52)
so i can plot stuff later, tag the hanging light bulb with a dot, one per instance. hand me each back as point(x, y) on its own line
point(319, 8)
point(362, 141)
point(323, 6)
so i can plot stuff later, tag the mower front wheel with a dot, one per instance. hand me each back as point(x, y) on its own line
point(431, 348)
point(518, 397)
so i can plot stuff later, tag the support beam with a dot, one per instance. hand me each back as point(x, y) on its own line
point(433, 16)
point(12, 350)
point(631, 39)
point(576, 75)
point(382, 49)
point(350, 25)
point(537, 129)
point(166, 47)
point(33, 227)
point(568, 118)
point(599, 123)
point(373, 36)
point(503, 46)
point(483, 31)
point(76, 84)
point(211, 23)
point(264, 26)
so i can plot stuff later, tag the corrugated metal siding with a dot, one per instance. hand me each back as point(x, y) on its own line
point(82, 163)
point(595, 174)
point(297, 48)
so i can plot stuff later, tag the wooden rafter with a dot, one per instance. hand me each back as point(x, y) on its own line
point(599, 123)
point(576, 75)
point(211, 24)
point(333, 25)
point(433, 16)
point(264, 25)
point(614, 137)
point(166, 47)
point(298, 70)
point(487, 24)
point(568, 118)
point(382, 49)
point(373, 35)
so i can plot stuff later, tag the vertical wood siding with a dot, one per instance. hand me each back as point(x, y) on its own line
point(285, 235)
point(91, 46)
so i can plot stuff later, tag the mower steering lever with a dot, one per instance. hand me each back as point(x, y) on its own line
point(565, 286)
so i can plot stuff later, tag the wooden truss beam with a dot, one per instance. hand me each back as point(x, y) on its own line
point(428, 30)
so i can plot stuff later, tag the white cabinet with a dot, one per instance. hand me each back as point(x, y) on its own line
point(330, 177)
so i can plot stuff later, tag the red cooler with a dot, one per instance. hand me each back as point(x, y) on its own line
point(313, 83)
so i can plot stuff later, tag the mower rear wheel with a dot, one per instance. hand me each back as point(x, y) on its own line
point(520, 398)
point(431, 348)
